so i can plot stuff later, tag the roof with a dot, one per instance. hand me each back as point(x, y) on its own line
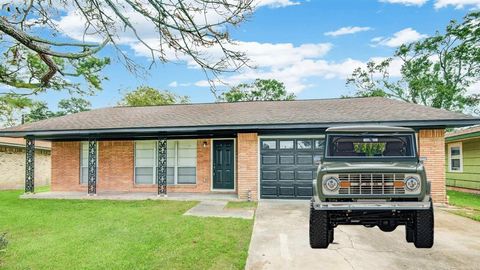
point(20, 142)
point(369, 129)
point(191, 118)
point(461, 134)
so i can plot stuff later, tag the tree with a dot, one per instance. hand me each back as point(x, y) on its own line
point(73, 105)
point(258, 90)
point(11, 109)
point(436, 71)
point(148, 96)
point(185, 29)
point(39, 110)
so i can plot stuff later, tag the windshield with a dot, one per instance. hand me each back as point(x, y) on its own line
point(370, 146)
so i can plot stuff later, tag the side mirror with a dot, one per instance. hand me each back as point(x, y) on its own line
point(423, 159)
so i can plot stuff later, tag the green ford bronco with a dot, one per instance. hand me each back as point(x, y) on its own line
point(371, 176)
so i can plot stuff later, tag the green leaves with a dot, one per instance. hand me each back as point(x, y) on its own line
point(40, 111)
point(258, 90)
point(149, 96)
point(436, 71)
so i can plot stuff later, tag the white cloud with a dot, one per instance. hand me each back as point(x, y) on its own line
point(347, 31)
point(275, 3)
point(456, 3)
point(406, 2)
point(404, 36)
point(173, 84)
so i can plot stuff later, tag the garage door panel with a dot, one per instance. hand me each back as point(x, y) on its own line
point(287, 159)
point(305, 175)
point(269, 159)
point(288, 166)
point(287, 175)
point(269, 175)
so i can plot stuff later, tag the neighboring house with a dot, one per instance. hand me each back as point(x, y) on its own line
point(12, 163)
point(267, 149)
point(463, 159)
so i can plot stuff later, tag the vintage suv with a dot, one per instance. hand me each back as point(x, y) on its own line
point(371, 176)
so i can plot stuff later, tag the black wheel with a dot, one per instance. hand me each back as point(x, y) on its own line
point(409, 234)
point(387, 227)
point(319, 231)
point(330, 235)
point(423, 230)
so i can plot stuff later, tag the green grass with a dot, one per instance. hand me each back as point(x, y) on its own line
point(469, 202)
point(242, 205)
point(75, 234)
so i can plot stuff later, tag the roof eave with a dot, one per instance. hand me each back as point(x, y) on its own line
point(416, 124)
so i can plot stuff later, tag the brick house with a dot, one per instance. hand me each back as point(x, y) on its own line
point(12, 163)
point(256, 150)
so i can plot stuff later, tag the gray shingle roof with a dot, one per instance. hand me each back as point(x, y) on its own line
point(325, 113)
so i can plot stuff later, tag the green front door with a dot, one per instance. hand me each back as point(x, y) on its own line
point(223, 165)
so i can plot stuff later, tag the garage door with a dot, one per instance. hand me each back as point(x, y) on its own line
point(288, 166)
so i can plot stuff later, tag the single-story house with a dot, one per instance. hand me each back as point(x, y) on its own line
point(12, 163)
point(257, 150)
point(463, 159)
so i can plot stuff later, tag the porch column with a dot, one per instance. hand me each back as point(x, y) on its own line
point(92, 167)
point(162, 166)
point(29, 165)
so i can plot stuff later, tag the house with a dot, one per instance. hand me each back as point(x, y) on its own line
point(257, 150)
point(12, 163)
point(463, 159)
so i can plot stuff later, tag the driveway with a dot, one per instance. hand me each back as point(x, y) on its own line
point(280, 241)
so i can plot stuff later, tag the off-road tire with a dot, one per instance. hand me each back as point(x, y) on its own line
point(424, 224)
point(409, 234)
point(319, 236)
point(331, 235)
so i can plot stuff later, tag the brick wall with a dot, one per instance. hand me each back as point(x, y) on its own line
point(247, 165)
point(12, 167)
point(116, 168)
point(432, 146)
point(66, 167)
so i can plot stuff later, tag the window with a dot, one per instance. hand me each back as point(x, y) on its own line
point(304, 144)
point(84, 162)
point(455, 157)
point(370, 146)
point(272, 145)
point(286, 144)
point(181, 162)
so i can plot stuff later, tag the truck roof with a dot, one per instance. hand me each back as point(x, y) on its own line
point(369, 128)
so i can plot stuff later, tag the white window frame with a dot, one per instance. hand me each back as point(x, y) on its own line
point(81, 158)
point(175, 164)
point(459, 157)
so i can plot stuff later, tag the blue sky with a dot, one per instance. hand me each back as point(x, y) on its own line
point(310, 45)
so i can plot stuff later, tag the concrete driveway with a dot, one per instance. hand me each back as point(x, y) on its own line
point(280, 241)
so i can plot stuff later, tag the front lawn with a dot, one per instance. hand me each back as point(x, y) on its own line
point(75, 234)
point(469, 204)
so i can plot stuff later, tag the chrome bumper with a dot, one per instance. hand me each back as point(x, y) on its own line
point(372, 205)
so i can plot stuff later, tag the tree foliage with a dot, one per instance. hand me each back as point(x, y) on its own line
point(183, 28)
point(149, 96)
point(39, 110)
point(436, 71)
point(258, 90)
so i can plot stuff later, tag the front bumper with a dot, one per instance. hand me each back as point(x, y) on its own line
point(372, 205)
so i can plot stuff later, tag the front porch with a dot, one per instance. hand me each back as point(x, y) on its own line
point(131, 196)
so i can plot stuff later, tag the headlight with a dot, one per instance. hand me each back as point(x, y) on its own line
point(331, 183)
point(412, 183)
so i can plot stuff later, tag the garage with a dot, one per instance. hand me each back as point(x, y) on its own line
point(288, 165)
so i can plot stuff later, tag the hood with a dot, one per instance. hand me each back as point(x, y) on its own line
point(371, 166)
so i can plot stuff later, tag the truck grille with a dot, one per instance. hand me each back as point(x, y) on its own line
point(372, 184)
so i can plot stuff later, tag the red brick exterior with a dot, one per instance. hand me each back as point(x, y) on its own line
point(116, 168)
point(247, 165)
point(432, 146)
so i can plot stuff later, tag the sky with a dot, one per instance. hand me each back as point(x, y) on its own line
point(310, 45)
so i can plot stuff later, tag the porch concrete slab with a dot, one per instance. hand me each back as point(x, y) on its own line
point(132, 196)
point(280, 241)
point(218, 209)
